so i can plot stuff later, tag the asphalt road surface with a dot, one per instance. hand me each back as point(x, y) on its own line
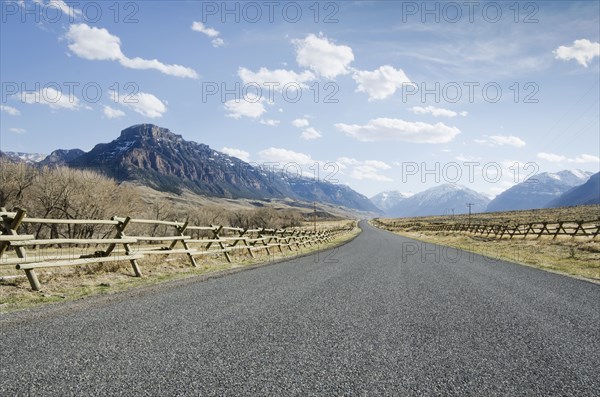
point(382, 315)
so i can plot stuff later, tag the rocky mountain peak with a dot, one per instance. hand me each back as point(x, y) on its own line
point(148, 132)
point(156, 157)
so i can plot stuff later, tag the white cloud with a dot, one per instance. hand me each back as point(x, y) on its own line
point(583, 51)
point(70, 11)
point(270, 122)
point(171, 70)
point(112, 113)
point(585, 158)
point(300, 123)
point(200, 27)
point(345, 162)
point(386, 129)
point(60, 5)
point(218, 42)
point(322, 56)
point(377, 164)
point(210, 32)
point(509, 140)
point(97, 44)
point(143, 103)
point(436, 112)
point(501, 140)
point(368, 169)
point(284, 156)
point(246, 107)
point(380, 83)
point(51, 97)
point(18, 130)
point(551, 157)
point(369, 173)
point(558, 158)
point(310, 134)
point(10, 110)
point(240, 154)
point(93, 43)
point(275, 79)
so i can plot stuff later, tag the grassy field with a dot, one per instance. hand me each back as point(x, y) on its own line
point(69, 283)
point(188, 198)
point(579, 256)
point(587, 212)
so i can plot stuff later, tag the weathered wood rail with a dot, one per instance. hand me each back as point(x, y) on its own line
point(116, 245)
point(573, 228)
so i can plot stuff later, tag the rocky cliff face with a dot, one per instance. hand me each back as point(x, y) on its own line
point(165, 161)
point(61, 157)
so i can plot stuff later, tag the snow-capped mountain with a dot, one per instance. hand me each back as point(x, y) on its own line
point(586, 194)
point(30, 158)
point(538, 191)
point(387, 200)
point(446, 199)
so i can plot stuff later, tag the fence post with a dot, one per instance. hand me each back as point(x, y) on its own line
point(121, 234)
point(242, 238)
point(180, 231)
point(597, 229)
point(10, 227)
point(216, 231)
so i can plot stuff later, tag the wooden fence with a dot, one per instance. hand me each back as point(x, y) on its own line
point(115, 245)
point(589, 229)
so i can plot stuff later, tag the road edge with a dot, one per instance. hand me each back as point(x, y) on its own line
point(44, 311)
point(573, 276)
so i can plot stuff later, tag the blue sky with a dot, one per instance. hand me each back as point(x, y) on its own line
point(392, 95)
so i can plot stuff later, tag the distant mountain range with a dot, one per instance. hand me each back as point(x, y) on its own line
point(446, 199)
point(158, 158)
point(61, 157)
point(545, 190)
point(29, 158)
point(538, 191)
point(387, 200)
point(586, 194)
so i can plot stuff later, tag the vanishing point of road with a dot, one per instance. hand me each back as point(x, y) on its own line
point(381, 315)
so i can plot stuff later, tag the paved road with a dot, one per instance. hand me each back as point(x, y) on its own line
point(382, 315)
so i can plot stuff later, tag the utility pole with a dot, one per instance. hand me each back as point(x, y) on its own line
point(315, 215)
point(470, 205)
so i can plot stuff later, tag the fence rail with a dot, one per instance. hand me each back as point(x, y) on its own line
point(179, 238)
point(575, 228)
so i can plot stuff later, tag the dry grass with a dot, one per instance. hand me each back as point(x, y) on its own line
point(579, 256)
point(584, 212)
point(189, 198)
point(69, 283)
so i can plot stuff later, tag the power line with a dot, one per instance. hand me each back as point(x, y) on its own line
point(570, 109)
